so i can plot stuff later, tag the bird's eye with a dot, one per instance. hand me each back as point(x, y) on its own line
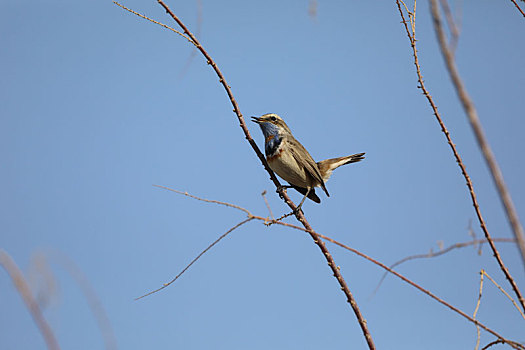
point(273, 119)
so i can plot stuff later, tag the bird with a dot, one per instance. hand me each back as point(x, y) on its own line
point(288, 158)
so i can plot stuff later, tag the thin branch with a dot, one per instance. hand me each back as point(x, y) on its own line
point(263, 194)
point(518, 7)
point(497, 176)
point(432, 254)
point(499, 341)
point(23, 289)
point(153, 21)
point(298, 214)
point(198, 256)
point(504, 292)
point(204, 200)
point(477, 308)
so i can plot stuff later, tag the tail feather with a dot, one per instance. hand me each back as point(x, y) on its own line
point(327, 166)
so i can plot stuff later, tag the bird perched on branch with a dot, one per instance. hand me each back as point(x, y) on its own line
point(292, 162)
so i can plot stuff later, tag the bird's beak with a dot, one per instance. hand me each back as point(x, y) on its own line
point(257, 120)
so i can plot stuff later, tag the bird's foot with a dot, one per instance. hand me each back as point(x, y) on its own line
point(282, 188)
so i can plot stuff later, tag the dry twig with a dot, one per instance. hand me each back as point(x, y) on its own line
point(442, 251)
point(153, 21)
point(198, 256)
point(518, 7)
point(504, 292)
point(477, 308)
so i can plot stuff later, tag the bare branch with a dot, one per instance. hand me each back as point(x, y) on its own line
point(518, 7)
point(23, 289)
point(205, 200)
point(263, 194)
point(442, 251)
point(477, 308)
point(198, 256)
point(470, 110)
point(153, 21)
point(504, 292)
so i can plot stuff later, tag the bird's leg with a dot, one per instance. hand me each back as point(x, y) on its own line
point(302, 201)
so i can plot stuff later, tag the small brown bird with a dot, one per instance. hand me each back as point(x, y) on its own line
point(292, 162)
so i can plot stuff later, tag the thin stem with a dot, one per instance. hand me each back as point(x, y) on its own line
point(196, 258)
point(518, 7)
point(432, 254)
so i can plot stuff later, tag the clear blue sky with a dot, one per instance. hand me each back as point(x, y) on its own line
point(97, 105)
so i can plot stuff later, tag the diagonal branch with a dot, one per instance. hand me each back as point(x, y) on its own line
point(518, 7)
point(490, 159)
point(198, 256)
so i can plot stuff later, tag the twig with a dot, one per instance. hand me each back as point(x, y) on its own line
point(432, 254)
point(23, 289)
point(205, 200)
point(518, 7)
point(263, 194)
point(477, 308)
point(153, 21)
point(198, 256)
point(492, 343)
point(504, 292)
point(497, 176)
point(298, 214)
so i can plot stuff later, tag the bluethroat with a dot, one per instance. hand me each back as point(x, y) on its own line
point(292, 162)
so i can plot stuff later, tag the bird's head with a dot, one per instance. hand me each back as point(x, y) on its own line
point(271, 124)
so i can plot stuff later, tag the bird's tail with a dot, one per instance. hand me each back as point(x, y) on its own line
point(327, 166)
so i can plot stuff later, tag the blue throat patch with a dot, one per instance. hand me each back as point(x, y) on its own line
point(272, 146)
point(272, 138)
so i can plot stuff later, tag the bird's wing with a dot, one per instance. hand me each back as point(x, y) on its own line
point(303, 158)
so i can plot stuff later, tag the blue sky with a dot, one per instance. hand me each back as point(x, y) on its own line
point(97, 105)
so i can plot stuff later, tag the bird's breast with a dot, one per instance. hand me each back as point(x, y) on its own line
point(283, 163)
